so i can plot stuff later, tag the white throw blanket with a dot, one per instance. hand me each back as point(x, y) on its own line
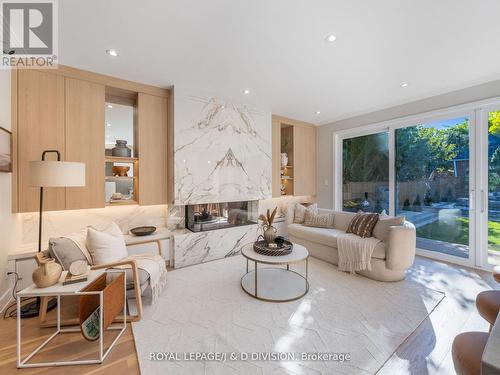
point(355, 253)
point(155, 266)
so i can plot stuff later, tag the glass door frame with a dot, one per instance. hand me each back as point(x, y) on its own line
point(472, 114)
point(482, 167)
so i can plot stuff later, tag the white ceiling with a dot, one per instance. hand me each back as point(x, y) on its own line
point(277, 49)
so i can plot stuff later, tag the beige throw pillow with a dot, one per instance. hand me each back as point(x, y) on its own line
point(301, 211)
point(362, 224)
point(319, 220)
point(106, 246)
point(381, 230)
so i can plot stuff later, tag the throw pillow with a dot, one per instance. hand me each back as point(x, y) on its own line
point(65, 251)
point(385, 222)
point(301, 211)
point(106, 246)
point(363, 224)
point(319, 220)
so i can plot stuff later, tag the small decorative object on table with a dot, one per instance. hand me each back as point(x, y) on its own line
point(121, 149)
point(77, 273)
point(264, 248)
point(267, 225)
point(47, 273)
point(279, 241)
point(143, 231)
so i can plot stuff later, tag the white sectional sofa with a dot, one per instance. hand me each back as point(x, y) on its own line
point(391, 257)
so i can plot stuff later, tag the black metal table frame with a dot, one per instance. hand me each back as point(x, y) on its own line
point(256, 295)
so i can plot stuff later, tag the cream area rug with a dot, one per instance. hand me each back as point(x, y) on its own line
point(204, 312)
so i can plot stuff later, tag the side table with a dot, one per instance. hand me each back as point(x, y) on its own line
point(57, 291)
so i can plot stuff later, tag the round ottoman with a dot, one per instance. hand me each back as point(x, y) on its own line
point(488, 305)
point(467, 351)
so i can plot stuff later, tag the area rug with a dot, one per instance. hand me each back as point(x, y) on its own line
point(204, 323)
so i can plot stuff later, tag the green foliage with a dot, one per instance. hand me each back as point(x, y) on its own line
point(494, 123)
point(421, 150)
point(366, 158)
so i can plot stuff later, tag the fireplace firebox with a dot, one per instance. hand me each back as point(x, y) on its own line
point(211, 216)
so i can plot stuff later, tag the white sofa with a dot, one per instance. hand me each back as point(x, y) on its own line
point(390, 259)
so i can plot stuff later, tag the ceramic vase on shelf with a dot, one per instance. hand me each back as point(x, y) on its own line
point(284, 159)
point(121, 149)
point(47, 274)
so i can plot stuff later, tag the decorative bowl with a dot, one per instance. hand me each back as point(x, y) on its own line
point(143, 231)
point(120, 171)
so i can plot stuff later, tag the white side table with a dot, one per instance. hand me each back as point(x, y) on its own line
point(59, 290)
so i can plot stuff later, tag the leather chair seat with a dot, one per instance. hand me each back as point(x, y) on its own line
point(496, 273)
point(467, 351)
point(488, 305)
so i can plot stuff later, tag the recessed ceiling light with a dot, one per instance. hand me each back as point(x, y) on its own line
point(246, 91)
point(108, 124)
point(112, 52)
point(404, 84)
point(331, 38)
point(318, 112)
point(109, 106)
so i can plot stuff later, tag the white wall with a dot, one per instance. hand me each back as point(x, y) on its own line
point(6, 217)
point(325, 176)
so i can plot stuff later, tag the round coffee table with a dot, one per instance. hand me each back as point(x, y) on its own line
point(275, 284)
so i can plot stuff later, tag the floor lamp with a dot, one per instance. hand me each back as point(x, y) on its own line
point(48, 173)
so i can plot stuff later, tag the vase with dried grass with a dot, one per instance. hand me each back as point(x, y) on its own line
point(267, 225)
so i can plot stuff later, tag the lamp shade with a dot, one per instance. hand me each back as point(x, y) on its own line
point(57, 173)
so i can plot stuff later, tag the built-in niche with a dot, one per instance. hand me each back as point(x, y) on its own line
point(286, 160)
point(121, 152)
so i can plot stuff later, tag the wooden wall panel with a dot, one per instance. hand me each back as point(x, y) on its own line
point(304, 150)
point(40, 126)
point(276, 147)
point(85, 140)
point(153, 139)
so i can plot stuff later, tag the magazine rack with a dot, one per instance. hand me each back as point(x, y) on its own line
point(111, 303)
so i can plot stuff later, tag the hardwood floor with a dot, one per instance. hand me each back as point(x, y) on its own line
point(426, 351)
point(122, 359)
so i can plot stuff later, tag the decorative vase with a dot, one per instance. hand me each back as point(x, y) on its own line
point(121, 149)
point(284, 159)
point(47, 274)
point(269, 233)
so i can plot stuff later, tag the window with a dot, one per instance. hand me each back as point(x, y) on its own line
point(365, 169)
point(432, 183)
point(493, 191)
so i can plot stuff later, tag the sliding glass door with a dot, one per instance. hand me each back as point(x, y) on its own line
point(490, 196)
point(365, 173)
point(432, 183)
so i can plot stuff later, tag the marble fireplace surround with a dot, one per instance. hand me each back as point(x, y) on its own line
point(222, 150)
point(191, 248)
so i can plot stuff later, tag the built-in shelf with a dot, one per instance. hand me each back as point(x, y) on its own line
point(287, 167)
point(286, 178)
point(120, 159)
point(125, 178)
point(121, 202)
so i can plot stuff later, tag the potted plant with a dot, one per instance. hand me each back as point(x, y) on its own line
point(267, 225)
